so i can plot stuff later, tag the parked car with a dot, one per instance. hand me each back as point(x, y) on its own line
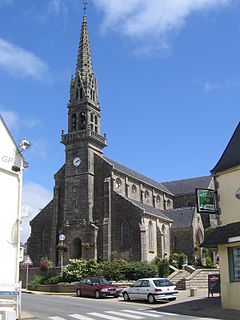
point(151, 289)
point(96, 287)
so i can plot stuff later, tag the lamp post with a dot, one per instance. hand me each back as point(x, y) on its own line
point(62, 247)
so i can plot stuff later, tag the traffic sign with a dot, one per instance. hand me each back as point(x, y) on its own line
point(27, 261)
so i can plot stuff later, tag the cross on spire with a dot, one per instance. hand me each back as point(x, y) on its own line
point(85, 3)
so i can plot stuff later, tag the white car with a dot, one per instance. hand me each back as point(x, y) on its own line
point(151, 289)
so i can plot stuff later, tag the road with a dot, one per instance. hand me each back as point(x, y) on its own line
point(51, 307)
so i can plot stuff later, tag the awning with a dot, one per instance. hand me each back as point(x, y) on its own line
point(223, 235)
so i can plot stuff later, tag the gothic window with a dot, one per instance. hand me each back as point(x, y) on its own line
point(146, 194)
point(150, 236)
point(118, 183)
point(81, 93)
point(74, 122)
point(91, 126)
point(95, 128)
point(83, 121)
point(168, 203)
point(158, 199)
point(134, 188)
point(125, 235)
point(91, 117)
point(96, 120)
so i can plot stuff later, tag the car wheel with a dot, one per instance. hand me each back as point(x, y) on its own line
point(151, 298)
point(172, 299)
point(126, 296)
point(97, 294)
point(78, 292)
point(116, 296)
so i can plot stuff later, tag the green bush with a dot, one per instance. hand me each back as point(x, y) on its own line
point(35, 282)
point(137, 270)
point(111, 270)
point(163, 267)
point(51, 279)
point(77, 269)
point(178, 259)
point(209, 262)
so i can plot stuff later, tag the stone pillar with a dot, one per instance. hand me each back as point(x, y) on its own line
point(143, 242)
point(107, 244)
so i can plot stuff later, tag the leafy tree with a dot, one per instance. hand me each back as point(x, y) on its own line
point(163, 267)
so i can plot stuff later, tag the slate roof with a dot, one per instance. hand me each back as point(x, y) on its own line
point(221, 235)
point(231, 155)
point(150, 209)
point(182, 217)
point(187, 186)
point(137, 175)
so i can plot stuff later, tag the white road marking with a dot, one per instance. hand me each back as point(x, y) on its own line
point(125, 314)
point(56, 318)
point(80, 317)
point(142, 313)
point(104, 316)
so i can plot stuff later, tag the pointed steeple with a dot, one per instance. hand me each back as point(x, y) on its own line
point(84, 60)
point(84, 84)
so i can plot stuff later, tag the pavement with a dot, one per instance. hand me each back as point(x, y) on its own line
point(198, 305)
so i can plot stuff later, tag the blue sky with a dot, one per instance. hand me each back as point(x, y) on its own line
point(169, 83)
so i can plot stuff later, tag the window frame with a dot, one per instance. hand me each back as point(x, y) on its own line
point(232, 264)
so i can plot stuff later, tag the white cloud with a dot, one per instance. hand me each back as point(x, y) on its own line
point(21, 63)
point(155, 18)
point(15, 122)
point(35, 197)
point(217, 86)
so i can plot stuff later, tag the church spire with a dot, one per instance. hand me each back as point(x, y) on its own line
point(84, 60)
point(84, 83)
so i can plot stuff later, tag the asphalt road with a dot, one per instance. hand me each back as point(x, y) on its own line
point(50, 307)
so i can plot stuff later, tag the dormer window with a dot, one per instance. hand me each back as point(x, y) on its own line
point(134, 188)
point(158, 199)
point(118, 183)
point(146, 194)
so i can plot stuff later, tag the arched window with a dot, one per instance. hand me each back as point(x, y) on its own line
point(134, 188)
point(83, 121)
point(150, 236)
point(146, 194)
point(118, 183)
point(124, 235)
point(74, 122)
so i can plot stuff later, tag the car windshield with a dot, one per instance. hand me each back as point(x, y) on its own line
point(162, 283)
point(100, 281)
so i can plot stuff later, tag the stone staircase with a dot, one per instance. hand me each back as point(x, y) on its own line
point(178, 278)
point(188, 278)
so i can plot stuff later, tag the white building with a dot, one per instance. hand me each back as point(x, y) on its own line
point(11, 165)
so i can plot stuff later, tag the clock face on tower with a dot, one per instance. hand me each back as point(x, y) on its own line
point(76, 161)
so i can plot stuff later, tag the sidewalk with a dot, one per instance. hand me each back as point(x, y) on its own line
point(198, 306)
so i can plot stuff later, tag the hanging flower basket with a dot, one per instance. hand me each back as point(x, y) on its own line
point(87, 245)
point(62, 247)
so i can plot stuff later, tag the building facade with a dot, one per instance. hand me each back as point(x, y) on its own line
point(226, 237)
point(99, 205)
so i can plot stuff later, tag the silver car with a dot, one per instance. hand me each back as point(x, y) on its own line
point(151, 289)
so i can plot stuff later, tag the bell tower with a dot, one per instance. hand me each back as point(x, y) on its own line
point(82, 141)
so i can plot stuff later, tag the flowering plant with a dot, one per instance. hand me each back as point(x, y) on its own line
point(62, 247)
point(87, 245)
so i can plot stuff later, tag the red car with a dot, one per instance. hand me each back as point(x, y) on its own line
point(97, 287)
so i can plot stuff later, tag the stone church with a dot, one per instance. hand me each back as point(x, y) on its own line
point(100, 205)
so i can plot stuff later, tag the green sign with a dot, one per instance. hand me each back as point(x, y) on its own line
point(206, 200)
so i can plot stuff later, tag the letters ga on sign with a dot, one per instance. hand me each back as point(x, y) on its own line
point(206, 201)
